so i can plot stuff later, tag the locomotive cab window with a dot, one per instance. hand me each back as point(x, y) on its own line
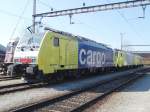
point(116, 53)
point(56, 42)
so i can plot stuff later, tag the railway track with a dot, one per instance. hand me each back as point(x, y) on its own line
point(79, 100)
point(19, 87)
point(5, 78)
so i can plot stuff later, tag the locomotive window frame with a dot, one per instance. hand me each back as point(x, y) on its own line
point(56, 41)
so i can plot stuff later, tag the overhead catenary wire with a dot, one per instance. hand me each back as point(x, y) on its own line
point(19, 19)
point(13, 14)
point(131, 25)
point(126, 20)
point(45, 4)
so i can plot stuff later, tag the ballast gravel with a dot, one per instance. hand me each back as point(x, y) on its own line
point(134, 98)
point(10, 82)
point(17, 99)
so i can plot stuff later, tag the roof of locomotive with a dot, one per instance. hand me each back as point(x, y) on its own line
point(80, 38)
point(123, 51)
point(128, 52)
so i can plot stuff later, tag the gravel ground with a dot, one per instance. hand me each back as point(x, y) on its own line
point(134, 98)
point(9, 82)
point(17, 99)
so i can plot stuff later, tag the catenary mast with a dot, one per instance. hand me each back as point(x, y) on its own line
point(33, 17)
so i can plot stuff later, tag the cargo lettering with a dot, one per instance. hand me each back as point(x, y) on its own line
point(91, 58)
point(82, 52)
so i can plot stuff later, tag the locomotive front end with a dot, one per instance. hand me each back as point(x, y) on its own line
point(26, 53)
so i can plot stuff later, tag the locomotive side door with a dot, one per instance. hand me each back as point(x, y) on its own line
point(62, 52)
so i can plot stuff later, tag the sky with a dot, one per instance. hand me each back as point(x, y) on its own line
point(104, 27)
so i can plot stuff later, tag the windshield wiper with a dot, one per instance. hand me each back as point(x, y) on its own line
point(29, 28)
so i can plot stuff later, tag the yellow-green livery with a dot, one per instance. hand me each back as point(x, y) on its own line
point(57, 54)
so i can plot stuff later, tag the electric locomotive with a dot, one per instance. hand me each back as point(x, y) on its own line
point(54, 54)
point(7, 65)
point(124, 59)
